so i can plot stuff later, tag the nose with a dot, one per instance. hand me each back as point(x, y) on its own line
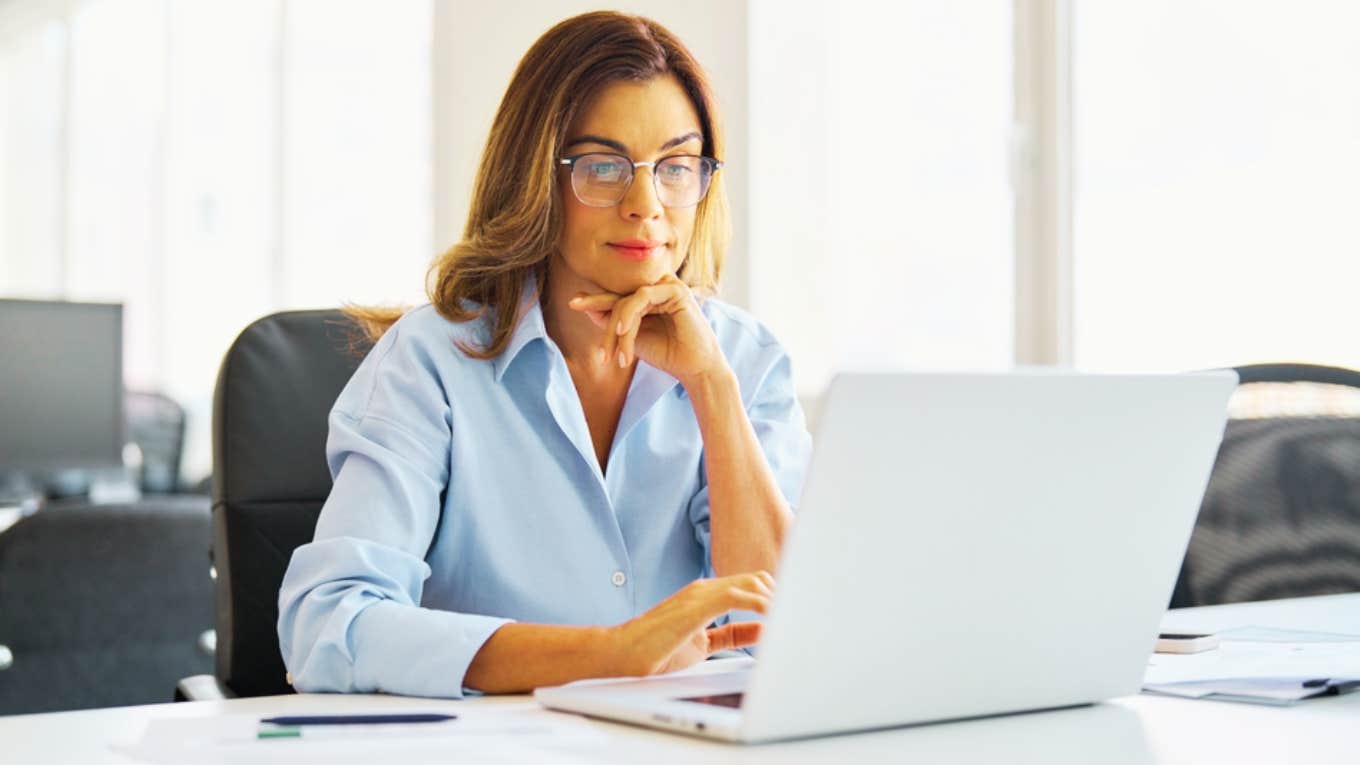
point(640, 202)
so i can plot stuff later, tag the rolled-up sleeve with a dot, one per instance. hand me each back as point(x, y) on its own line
point(350, 618)
point(779, 424)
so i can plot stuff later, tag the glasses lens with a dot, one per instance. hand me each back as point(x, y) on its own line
point(683, 181)
point(600, 180)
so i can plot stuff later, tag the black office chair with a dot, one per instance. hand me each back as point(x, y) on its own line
point(155, 423)
point(103, 605)
point(1281, 516)
point(275, 389)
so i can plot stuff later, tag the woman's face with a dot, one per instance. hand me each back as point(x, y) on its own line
point(608, 247)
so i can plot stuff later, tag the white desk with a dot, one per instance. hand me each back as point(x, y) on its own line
point(1135, 729)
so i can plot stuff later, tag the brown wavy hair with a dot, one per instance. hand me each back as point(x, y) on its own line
point(515, 217)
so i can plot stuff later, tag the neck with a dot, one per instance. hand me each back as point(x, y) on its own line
point(575, 334)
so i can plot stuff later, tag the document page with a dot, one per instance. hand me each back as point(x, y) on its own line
point(492, 736)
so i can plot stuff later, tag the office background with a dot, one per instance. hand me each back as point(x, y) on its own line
point(1162, 185)
point(1156, 186)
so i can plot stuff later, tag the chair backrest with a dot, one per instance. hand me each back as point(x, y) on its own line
point(274, 392)
point(103, 605)
point(156, 423)
point(1281, 516)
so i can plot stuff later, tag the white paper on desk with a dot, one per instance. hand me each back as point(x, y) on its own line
point(1259, 672)
point(1257, 690)
point(1233, 659)
point(1254, 634)
point(481, 736)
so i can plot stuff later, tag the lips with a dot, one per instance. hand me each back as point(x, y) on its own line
point(635, 249)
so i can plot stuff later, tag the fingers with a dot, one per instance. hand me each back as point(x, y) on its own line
point(627, 318)
point(602, 301)
point(598, 318)
point(732, 636)
point(622, 329)
point(596, 307)
point(761, 582)
point(620, 316)
point(740, 592)
point(741, 600)
point(627, 341)
point(632, 308)
point(754, 591)
point(656, 638)
point(599, 309)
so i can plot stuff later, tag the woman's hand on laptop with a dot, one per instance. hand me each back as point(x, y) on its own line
point(675, 633)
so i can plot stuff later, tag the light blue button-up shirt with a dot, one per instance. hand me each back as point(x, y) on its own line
point(467, 495)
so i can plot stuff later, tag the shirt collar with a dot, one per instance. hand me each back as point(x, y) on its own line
point(649, 381)
point(528, 328)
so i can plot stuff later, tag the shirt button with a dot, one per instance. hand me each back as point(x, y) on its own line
point(618, 578)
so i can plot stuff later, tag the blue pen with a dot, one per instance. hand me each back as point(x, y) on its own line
point(291, 727)
point(358, 719)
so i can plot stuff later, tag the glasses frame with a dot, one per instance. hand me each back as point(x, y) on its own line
point(570, 162)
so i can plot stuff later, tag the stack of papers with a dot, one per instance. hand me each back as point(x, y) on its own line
point(1260, 665)
point(1257, 690)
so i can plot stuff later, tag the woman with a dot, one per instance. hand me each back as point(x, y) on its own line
point(569, 465)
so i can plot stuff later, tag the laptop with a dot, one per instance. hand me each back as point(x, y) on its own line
point(967, 545)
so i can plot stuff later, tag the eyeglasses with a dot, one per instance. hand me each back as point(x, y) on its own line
point(602, 180)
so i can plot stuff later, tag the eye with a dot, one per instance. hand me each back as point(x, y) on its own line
point(604, 170)
point(674, 173)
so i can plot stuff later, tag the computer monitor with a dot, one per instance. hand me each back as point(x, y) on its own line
point(61, 387)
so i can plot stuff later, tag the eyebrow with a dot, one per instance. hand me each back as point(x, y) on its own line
point(618, 146)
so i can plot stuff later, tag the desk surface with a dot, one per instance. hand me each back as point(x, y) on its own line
point(1134, 729)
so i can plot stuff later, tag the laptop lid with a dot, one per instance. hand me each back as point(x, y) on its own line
point(979, 544)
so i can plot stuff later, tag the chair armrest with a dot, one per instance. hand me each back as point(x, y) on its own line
point(202, 688)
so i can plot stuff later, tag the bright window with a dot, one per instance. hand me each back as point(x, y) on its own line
point(208, 163)
point(882, 230)
point(1217, 183)
point(32, 70)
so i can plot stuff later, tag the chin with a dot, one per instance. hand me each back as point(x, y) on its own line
point(623, 279)
point(624, 283)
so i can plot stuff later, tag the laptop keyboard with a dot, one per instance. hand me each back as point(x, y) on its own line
point(732, 700)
